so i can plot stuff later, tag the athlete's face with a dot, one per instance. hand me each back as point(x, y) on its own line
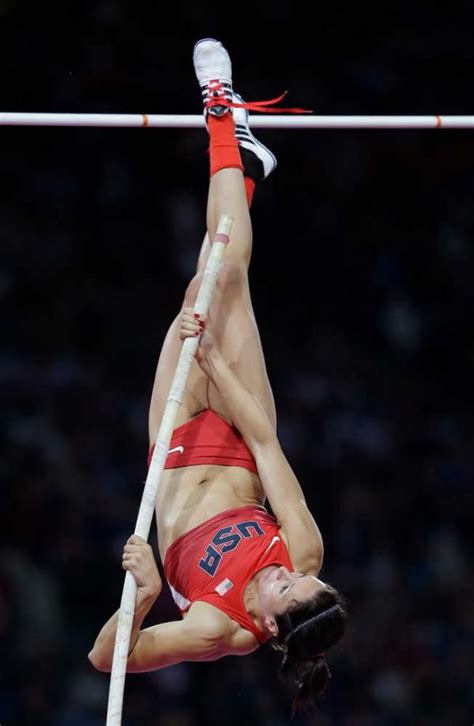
point(280, 589)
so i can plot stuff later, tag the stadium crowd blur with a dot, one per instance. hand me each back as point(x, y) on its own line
point(362, 284)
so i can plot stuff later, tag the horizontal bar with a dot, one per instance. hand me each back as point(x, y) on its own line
point(269, 121)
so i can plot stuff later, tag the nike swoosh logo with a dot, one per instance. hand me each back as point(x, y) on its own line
point(275, 539)
point(179, 449)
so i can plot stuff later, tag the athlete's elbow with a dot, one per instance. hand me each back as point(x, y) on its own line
point(318, 557)
point(312, 558)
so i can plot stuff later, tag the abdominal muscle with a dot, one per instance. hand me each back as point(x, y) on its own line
point(191, 495)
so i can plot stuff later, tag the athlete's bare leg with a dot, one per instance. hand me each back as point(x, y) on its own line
point(232, 317)
point(231, 314)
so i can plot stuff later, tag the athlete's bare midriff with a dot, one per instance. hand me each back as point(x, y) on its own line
point(191, 495)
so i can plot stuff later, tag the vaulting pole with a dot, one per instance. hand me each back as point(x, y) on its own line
point(147, 506)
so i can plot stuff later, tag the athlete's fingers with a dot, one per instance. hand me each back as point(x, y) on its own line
point(193, 320)
point(138, 559)
point(190, 327)
point(189, 316)
point(135, 549)
point(138, 556)
point(189, 323)
point(142, 547)
point(130, 565)
point(187, 319)
point(189, 312)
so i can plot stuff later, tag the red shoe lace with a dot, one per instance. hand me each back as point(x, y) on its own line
point(216, 99)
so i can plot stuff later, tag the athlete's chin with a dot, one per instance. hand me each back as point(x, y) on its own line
point(267, 581)
point(275, 577)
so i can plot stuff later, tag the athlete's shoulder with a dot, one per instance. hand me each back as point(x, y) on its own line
point(226, 633)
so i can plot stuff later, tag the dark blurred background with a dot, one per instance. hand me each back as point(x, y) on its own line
point(362, 283)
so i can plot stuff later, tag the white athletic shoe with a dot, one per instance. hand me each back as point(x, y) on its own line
point(213, 69)
point(214, 73)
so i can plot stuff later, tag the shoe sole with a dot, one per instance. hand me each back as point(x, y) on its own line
point(206, 40)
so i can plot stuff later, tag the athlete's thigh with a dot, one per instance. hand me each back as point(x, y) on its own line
point(195, 396)
point(237, 335)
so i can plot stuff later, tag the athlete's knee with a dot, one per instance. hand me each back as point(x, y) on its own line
point(232, 278)
point(233, 274)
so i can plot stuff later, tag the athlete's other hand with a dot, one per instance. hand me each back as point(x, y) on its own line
point(138, 559)
point(192, 325)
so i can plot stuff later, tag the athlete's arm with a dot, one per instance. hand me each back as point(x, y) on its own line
point(278, 480)
point(201, 636)
point(289, 506)
point(191, 639)
point(139, 560)
point(205, 634)
point(247, 413)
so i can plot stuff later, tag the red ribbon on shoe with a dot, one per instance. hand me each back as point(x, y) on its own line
point(260, 106)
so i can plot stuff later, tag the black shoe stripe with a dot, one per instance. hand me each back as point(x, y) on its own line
point(244, 137)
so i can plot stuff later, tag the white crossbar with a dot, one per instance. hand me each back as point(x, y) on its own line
point(263, 121)
point(147, 506)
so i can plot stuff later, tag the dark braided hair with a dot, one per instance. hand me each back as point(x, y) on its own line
point(305, 632)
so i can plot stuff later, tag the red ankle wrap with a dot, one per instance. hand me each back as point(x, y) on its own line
point(223, 147)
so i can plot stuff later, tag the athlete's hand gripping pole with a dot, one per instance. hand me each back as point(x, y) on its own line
point(147, 505)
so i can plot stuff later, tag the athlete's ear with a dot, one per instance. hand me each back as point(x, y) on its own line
point(270, 624)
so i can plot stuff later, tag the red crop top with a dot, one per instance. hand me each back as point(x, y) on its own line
point(207, 439)
point(215, 561)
